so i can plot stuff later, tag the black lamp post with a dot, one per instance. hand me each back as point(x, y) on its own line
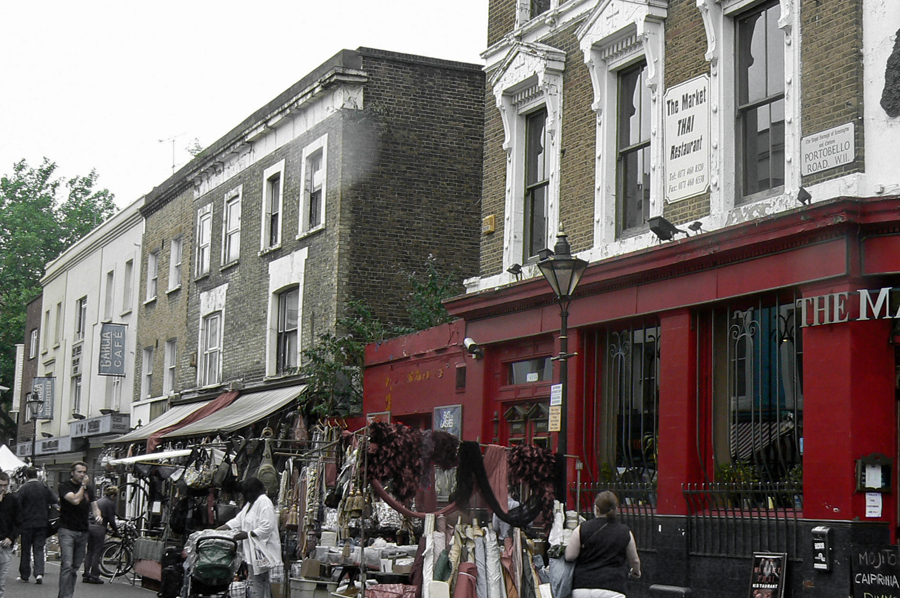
point(563, 272)
point(34, 405)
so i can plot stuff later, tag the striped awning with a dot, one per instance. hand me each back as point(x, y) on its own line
point(752, 437)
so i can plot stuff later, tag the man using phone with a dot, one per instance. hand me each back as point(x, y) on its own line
point(76, 504)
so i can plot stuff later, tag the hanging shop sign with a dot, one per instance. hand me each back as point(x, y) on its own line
point(768, 575)
point(43, 388)
point(875, 572)
point(112, 350)
point(847, 306)
point(449, 419)
point(828, 149)
point(687, 136)
point(113, 423)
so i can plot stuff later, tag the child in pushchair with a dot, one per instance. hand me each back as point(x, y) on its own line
point(212, 561)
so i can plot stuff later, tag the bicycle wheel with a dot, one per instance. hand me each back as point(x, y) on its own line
point(116, 559)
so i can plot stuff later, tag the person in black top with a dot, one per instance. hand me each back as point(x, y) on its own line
point(75, 504)
point(9, 518)
point(600, 548)
point(34, 506)
point(97, 534)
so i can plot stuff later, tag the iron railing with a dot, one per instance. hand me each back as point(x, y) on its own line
point(738, 519)
point(637, 507)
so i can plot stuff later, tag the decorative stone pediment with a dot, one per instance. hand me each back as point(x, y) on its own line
point(529, 71)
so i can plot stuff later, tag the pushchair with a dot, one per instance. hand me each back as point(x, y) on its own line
point(214, 563)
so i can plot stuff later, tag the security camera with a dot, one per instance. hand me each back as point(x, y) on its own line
point(473, 348)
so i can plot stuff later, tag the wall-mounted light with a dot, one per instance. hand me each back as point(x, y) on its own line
point(46, 434)
point(516, 270)
point(803, 196)
point(664, 229)
point(77, 415)
point(697, 227)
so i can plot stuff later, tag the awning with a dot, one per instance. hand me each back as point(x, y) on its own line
point(174, 415)
point(245, 410)
point(152, 457)
point(752, 437)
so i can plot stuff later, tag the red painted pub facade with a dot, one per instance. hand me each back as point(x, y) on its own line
point(740, 384)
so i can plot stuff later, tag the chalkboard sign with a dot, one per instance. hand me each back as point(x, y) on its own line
point(767, 579)
point(876, 571)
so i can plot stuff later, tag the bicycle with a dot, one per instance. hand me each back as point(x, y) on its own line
point(117, 556)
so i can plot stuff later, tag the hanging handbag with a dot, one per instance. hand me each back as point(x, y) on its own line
point(199, 476)
point(266, 472)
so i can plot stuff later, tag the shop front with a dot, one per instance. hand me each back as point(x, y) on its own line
point(737, 389)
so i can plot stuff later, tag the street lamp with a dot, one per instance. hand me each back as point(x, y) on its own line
point(34, 405)
point(563, 272)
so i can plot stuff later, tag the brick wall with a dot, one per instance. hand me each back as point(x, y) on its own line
point(411, 170)
point(501, 19)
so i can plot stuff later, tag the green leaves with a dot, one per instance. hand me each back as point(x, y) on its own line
point(40, 216)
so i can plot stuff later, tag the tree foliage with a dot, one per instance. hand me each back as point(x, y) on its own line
point(333, 367)
point(40, 216)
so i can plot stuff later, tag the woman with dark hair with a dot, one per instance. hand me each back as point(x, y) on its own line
point(601, 549)
point(257, 526)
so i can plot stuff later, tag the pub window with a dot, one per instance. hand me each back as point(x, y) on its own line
point(527, 371)
point(631, 401)
point(759, 396)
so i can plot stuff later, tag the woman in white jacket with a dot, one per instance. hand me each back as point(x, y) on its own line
point(257, 526)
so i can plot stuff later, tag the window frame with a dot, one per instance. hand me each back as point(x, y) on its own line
point(268, 240)
point(76, 389)
point(128, 286)
point(537, 182)
point(231, 227)
point(80, 318)
point(311, 151)
point(283, 334)
point(33, 343)
point(169, 366)
point(203, 259)
point(152, 276)
point(211, 352)
point(147, 373)
point(176, 259)
point(109, 296)
point(626, 149)
point(743, 110)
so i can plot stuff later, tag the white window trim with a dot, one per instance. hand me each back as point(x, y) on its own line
point(174, 266)
point(319, 144)
point(33, 344)
point(109, 296)
point(147, 372)
point(128, 287)
point(233, 196)
point(152, 275)
point(210, 302)
point(202, 214)
point(284, 272)
point(617, 35)
point(268, 173)
point(719, 22)
point(170, 365)
point(530, 77)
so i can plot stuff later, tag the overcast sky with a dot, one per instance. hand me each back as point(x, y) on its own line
point(111, 85)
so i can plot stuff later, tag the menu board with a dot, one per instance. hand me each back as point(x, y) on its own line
point(767, 578)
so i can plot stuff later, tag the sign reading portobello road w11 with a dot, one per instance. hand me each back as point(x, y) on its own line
point(687, 139)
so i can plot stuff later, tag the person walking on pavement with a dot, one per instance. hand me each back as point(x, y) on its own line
point(97, 534)
point(9, 517)
point(35, 499)
point(75, 504)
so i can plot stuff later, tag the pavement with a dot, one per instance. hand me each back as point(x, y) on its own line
point(119, 588)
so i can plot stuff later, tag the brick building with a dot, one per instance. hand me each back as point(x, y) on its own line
point(334, 190)
point(725, 169)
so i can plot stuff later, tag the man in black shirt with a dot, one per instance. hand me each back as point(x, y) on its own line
point(75, 504)
point(9, 517)
point(34, 508)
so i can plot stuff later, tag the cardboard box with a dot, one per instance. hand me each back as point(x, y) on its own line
point(311, 569)
point(402, 569)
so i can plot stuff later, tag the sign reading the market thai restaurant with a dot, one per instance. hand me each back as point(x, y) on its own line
point(112, 350)
point(828, 149)
point(449, 419)
point(768, 575)
point(687, 139)
point(875, 572)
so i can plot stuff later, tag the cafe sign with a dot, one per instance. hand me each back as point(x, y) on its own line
point(112, 350)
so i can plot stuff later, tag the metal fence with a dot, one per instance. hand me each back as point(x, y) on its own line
point(739, 519)
point(637, 507)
